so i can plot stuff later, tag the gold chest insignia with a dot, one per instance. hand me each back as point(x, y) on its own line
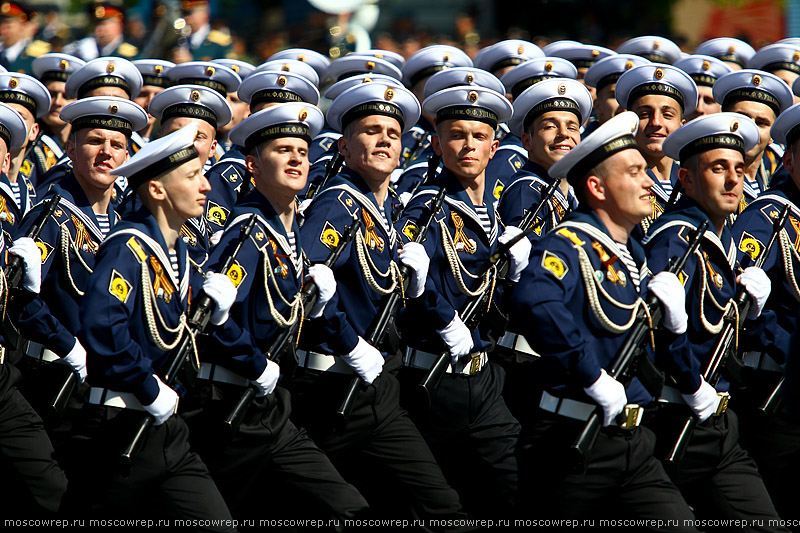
point(714, 276)
point(188, 236)
point(613, 275)
point(461, 242)
point(281, 269)
point(329, 236)
point(558, 208)
point(162, 286)
point(655, 207)
point(750, 245)
point(554, 264)
point(371, 238)
point(217, 214)
point(83, 241)
point(5, 214)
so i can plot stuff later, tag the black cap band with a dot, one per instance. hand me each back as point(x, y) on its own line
point(156, 81)
point(104, 122)
point(608, 80)
point(205, 82)
point(704, 80)
point(464, 112)
point(520, 86)
point(269, 96)
point(754, 95)
point(710, 142)
point(655, 87)
point(158, 168)
point(600, 154)
point(424, 73)
point(551, 104)
point(731, 58)
point(190, 111)
point(583, 62)
point(782, 65)
point(15, 97)
point(655, 57)
point(6, 136)
point(277, 131)
point(103, 81)
point(507, 62)
point(374, 108)
point(54, 75)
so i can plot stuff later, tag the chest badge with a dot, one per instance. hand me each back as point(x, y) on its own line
point(461, 242)
point(371, 238)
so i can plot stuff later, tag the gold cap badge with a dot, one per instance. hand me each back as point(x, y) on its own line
point(658, 74)
point(521, 50)
point(470, 78)
point(595, 53)
point(210, 71)
point(446, 58)
point(303, 114)
point(234, 68)
point(734, 125)
point(195, 95)
point(628, 64)
point(756, 79)
point(370, 66)
point(110, 68)
point(13, 82)
point(64, 64)
point(158, 69)
point(301, 57)
point(731, 50)
point(548, 66)
point(656, 45)
point(113, 109)
point(706, 65)
point(562, 89)
point(389, 94)
point(472, 96)
point(282, 81)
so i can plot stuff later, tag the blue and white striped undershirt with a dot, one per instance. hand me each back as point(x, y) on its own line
point(15, 188)
point(173, 262)
point(298, 264)
point(103, 223)
point(483, 215)
point(630, 264)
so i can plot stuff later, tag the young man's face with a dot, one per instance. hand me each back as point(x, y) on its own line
point(466, 146)
point(240, 110)
point(108, 91)
point(764, 117)
point(371, 147)
point(625, 187)
point(606, 105)
point(551, 136)
point(280, 165)
point(30, 124)
point(95, 152)
point(706, 104)
point(185, 189)
point(205, 141)
point(714, 179)
point(659, 116)
point(58, 99)
point(145, 97)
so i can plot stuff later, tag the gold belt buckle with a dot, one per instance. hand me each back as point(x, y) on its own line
point(724, 398)
point(475, 363)
point(633, 416)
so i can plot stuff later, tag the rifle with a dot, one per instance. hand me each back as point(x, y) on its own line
point(332, 167)
point(199, 316)
point(308, 297)
point(470, 314)
point(15, 269)
point(384, 317)
point(628, 354)
point(722, 352)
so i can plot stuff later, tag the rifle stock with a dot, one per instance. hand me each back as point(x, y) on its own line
point(722, 350)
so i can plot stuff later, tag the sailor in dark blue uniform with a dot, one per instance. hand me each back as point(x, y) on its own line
point(53, 70)
point(134, 312)
point(661, 95)
point(416, 71)
point(372, 118)
point(705, 71)
point(574, 303)
point(711, 150)
point(773, 441)
point(762, 97)
point(733, 52)
point(104, 76)
point(410, 180)
point(268, 274)
point(70, 238)
point(34, 483)
point(28, 97)
point(603, 76)
point(468, 419)
point(213, 76)
point(548, 117)
point(175, 108)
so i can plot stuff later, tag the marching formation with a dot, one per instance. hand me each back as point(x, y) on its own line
point(539, 283)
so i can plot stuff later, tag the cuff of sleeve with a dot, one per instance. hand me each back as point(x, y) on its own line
point(588, 372)
point(149, 391)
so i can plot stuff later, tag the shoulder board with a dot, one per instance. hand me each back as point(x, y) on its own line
point(349, 203)
point(570, 235)
point(219, 37)
point(127, 50)
point(38, 48)
point(770, 211)
point(137, 249)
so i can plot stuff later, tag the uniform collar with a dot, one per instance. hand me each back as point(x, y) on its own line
point(254, 201)
point(351, 178)
point(657, 188)
point(72, 194)
point(586, 216)
point(142, 220)
point(686, 210)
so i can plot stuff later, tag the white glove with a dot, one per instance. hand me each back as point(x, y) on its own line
point(220, 289)
point(518, 253)
point(457, 338)
point(268, 380)
point(366, 360)
point(165, 405)
point(414, 256)
point(703, 402)
point(303, 206)
point(76, 358)
point(609, 394)
point(405, 197)
point(668, 289)
point(326, 287)
point(758, 286)
point(30, 254)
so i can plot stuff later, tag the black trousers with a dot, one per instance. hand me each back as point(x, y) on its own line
point(716, 476)
point(166, 479)
point(379, 449)
point(32, 481)
point(621, 480)
point(268, 466)
point(473, 436)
